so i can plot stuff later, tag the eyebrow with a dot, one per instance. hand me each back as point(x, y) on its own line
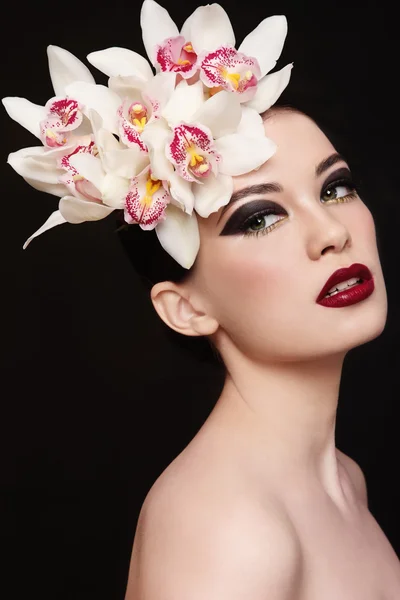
point(327, 163)
point(269, 188)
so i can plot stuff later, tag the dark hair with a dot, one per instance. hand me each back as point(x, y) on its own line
point(153, 264)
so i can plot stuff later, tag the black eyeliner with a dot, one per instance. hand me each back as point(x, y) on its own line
point(339, 176)
point(237, 222)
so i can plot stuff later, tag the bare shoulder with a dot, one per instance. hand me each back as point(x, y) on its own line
point(195, 546)
point(355, 474)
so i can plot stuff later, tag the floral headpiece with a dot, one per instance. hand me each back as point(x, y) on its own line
point(161, 147)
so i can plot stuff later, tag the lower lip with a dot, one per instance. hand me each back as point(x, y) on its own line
point(350, 296)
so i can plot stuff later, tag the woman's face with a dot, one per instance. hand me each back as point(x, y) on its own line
point(259, 275)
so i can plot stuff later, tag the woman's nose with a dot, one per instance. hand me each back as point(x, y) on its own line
point(325, 232)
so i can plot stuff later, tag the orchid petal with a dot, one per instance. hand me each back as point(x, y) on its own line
point(266, 42)
point(97, 97)
point(89, 167)
point(156, 25)
point(95, 119)
point(38, 167)
point(127, 162)
point(230, 70)
point(207, 28)
point(55, 218)
point(25, 113)
point(126, 86)
point(116, 62)
point(179, 235)
point(35, 165)
point(156, 136)
point(174, 55)
point(221, 114)
point(242, 154)
point(114, 190)
point(55, 189)
point(212, 194)
point(105, 140)
point(50, 156)
point(160, 88)
point(65, 68)
point(181, 193)
point(184, 102)
point(145, 201)
point(251, 123)
point(129, 130)
point(76, 210)
point(270, 88)
point(191, 151)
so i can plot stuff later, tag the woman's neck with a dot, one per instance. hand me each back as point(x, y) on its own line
point(280, 419)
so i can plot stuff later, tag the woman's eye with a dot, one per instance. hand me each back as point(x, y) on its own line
point(262, 223)
point(338, 190)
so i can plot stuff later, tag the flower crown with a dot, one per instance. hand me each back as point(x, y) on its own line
point(161, 147)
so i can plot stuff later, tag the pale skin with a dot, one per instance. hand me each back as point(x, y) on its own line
point(261, 505)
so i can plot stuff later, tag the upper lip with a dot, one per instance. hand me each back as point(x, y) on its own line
point(355, 270)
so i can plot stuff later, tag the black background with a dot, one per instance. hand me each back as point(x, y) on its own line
point(96, 401)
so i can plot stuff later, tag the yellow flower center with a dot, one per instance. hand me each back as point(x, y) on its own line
point(188, 47)
point(152, 186)
point(234, 78)
point(138, 116)
point(140, 123)
point(50, 133)
point(195, 158)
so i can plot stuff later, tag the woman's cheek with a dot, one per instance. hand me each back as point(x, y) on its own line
point(362, 227)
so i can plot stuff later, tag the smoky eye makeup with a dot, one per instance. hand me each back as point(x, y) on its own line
point(340, 176)
point(242, 218)
point(239, 221)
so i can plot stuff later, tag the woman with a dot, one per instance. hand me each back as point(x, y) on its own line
point(261, 504)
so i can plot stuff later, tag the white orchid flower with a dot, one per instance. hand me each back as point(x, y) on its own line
point(150, 204)
point(196, 147)
point(163, 153)
point(204, 144)
point(92, 176)
point(167, 50)
point(165, 47)
point(142, 103)
point(146, 200)
point(206, 43)
point(121, 62)
point(127, 105)
point(61, 118)
point(54, 172)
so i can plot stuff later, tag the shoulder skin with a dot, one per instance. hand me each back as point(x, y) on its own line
point(220, 553)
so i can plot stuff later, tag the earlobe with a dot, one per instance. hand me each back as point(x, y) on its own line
point(176, 310)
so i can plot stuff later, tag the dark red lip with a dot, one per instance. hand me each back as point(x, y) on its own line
point(355, 270)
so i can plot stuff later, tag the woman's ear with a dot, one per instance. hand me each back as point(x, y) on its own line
point(173, 305)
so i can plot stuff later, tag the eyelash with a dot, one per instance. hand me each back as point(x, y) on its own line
point(342, 182)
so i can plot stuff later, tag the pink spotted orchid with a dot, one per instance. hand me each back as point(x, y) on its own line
point(209, 35)
point(61, 119)
point(160, 147)
point(198, 145)
point(66, 133)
